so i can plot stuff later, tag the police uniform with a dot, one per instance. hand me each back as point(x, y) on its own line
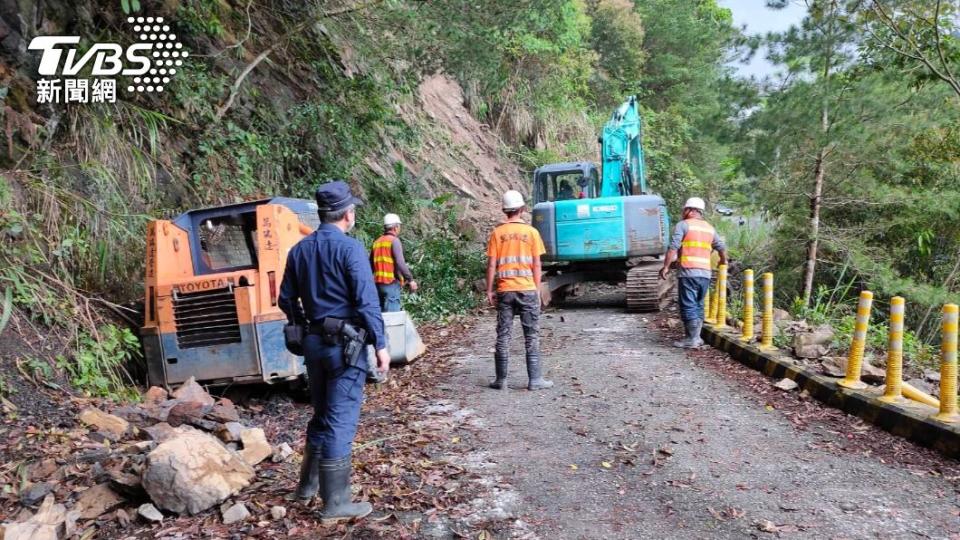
point(327, 276)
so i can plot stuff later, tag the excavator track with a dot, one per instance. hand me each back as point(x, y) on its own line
point(645, 290)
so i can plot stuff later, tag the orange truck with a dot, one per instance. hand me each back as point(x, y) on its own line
point(212, 281)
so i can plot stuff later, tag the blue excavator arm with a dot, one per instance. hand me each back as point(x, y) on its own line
point(621, 150)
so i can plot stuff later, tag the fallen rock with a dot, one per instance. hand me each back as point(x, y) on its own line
point(127, 485)
point(925, 386)
point(35, 493)
point(132, 413)
point(872, 374)
point(97, 501)
point(188, 412)
point(230, 432)
point(282, 453)
point(191, 391)
point(139, 447)
point(224, 411)
point(786, 384)
point(278, 512)
point(160, 411)
point(154, 396)
point(255, 446)
point(235, 513)
point(813, 344)
point(192, 472)
point(673, 323)
point(112, 427)
point(51, 522)
point(159, 432)
point(149, 512)
point(931, 376)
point(781, 315)
point(834, 366)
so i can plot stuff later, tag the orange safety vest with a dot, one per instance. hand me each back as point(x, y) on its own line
point(382, 259)
point(697, 244)
point(514, 245)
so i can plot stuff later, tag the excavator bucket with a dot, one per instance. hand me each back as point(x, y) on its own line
point(403, 341)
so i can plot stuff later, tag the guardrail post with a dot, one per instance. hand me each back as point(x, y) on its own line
point(893, 392)
point(709, 303)
point(948, 367)
point(746, 332)
point(855, 358)
point(766, 329)
point(721, 318)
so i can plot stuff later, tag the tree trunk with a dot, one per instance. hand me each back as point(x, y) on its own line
point(812, 244)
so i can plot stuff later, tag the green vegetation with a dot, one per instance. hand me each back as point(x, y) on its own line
point(98, 368)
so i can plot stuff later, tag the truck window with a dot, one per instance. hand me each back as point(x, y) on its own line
point(228, 242)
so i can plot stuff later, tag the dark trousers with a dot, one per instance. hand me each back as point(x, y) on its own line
point(693, 292)
point(527, 305)
point(336, 391)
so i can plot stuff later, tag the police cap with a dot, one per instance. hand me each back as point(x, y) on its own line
point(334, 196)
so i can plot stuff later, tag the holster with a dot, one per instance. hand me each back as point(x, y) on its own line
point(335, 331)
point(293, 338)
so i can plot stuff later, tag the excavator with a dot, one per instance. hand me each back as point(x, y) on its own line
point(604, 225)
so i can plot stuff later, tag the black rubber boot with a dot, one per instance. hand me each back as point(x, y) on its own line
point(309, 474)
point(695, 339)
point(335, 490)
point(686, 342)
point(500, 364)
point(537, 382)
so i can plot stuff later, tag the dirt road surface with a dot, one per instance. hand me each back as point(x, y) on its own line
point(640, 440)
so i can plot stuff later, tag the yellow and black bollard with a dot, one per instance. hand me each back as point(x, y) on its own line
point(893, 392)
point(708, 307)
point(714, 303)
point(948, 367)
point(721, 317)
point(746, 332)
point(766, 329)
point(855, 358)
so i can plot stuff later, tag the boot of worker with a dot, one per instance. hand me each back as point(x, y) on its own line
point(695, 339)
point(309, 474)
point(537, 382)
point(687, 341)
point(500, 365)
point(335, 491)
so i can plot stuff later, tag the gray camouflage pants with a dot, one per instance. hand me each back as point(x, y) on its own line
point(527, 305)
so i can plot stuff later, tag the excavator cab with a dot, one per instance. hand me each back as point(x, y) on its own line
point(566, 181)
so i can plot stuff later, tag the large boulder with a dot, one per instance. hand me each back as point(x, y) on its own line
point(192, 471)
point(813, 344)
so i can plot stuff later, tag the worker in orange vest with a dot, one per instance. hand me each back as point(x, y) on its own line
point(695, 240)
point(389, 268)
point(513, 253)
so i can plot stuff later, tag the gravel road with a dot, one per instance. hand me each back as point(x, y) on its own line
point(640, 440)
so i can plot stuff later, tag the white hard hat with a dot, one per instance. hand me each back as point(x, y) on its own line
point(390, 220)
point(512, 200)
point(696, 203)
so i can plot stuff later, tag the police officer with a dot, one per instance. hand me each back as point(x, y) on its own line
point(328, 280)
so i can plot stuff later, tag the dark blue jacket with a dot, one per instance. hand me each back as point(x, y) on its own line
point(329, 274)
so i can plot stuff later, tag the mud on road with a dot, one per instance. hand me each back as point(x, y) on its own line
point(641, 440)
